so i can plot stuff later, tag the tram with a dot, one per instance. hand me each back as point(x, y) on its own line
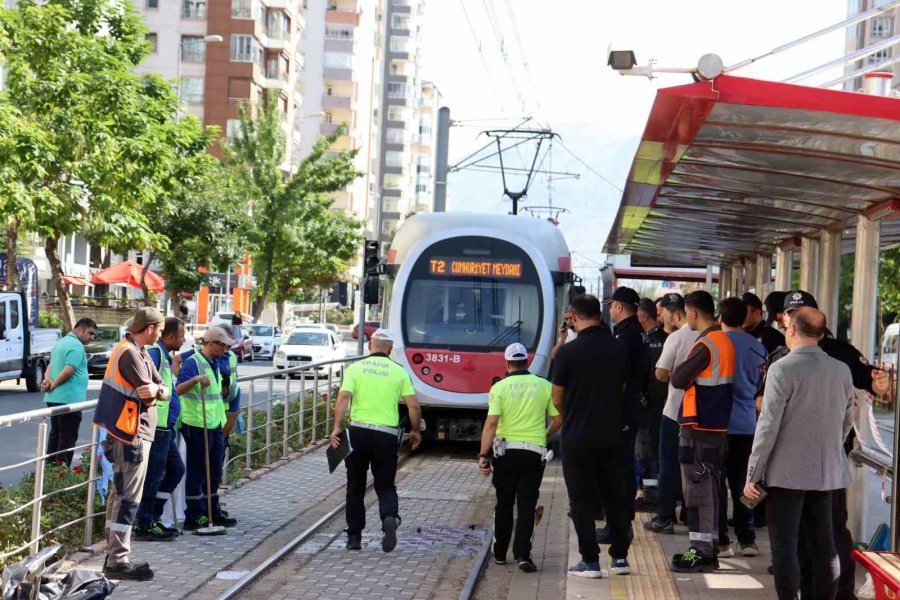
point(461, 288)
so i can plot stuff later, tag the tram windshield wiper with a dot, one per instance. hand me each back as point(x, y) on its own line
point(498, 341)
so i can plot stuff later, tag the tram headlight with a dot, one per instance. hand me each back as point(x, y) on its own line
point(418, 359)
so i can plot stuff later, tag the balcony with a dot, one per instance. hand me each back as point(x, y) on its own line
point(342, 17)
point(345, 102)
point(394, 170)
point(330, 128)
point(333, 74)
point(336, 45)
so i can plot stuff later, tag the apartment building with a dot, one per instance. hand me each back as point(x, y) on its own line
point(865, 34)
point(341, 78)
point(424, 147)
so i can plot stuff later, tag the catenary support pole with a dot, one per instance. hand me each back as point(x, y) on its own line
point(441, 157)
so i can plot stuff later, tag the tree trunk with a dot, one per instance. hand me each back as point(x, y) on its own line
point(263, 295)
point(279, 308)
point(144, 288)
point(62, 294)
point(174, 304)
point(12, 237)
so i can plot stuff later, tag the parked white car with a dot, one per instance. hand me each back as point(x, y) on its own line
point(266, 339)
point(224, 318)
point(311, 344)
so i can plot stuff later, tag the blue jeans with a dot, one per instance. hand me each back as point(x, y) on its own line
point(669, 470)
point(195, 481)
point(164, 471)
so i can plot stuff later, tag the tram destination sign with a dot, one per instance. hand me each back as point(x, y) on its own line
point(467, 267)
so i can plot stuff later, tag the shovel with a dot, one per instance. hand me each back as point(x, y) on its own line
point(209, 529)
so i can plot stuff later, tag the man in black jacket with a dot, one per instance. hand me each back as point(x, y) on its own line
point(654, 393)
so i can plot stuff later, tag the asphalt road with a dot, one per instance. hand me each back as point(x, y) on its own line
point(18, 442)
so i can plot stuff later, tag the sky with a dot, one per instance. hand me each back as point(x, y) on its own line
point(567, 87)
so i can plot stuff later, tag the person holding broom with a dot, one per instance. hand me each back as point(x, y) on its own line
point(199, 386)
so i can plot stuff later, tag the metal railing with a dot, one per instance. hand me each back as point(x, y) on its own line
point(306, 410)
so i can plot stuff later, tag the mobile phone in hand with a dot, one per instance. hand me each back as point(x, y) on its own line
point(750, 503)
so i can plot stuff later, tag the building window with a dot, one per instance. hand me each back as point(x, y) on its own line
point(393, 158)
point(244, 48)
point(879, 56)
point(400, 21)
point(152, 4)
point(328, 117)
point(882, 26)
point(399, 44)
point(192, 90)
point(421, 188)
point(245, 9)
point(232, 130)
point(193, 9)
point(278, 26)
point(338, 60)
point(398, 90)
point(397, 113)
point(193, 49)
point(394, 135)
point(338, 32)
point(392, 181)
point(154, 42)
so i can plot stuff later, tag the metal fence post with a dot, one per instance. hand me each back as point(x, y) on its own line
point(328, 402)
point(38, 484)
point(91, 488)
point(302, 439)
point(247, 465)
point(315, 411)
point(269, 429)
point(287, 416)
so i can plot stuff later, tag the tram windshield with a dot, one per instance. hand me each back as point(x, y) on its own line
point(472, 294)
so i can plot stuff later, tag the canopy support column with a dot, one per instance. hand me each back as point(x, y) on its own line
point(763, 275)
point(724, 282)
point(809, 265)
point(749, 275)
point(829, 274)
point(862, 325)
point(709, 278)
point(784, 269)
point(737, 279)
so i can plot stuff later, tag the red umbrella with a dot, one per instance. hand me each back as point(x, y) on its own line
point(129, 273)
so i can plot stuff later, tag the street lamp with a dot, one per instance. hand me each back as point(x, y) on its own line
point(207, 39)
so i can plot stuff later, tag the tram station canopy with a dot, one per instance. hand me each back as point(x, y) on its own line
point(733, 167)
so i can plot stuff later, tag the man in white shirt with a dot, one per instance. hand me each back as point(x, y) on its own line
point(675, 350)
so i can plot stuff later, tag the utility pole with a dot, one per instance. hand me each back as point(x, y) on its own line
point(441, 167)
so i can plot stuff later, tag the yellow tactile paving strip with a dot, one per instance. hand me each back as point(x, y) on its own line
point(650, 576)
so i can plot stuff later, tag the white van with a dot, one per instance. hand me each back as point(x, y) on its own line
point(890, 343)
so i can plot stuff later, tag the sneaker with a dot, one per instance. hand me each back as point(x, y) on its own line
point(155, 532)
point(194, 524)
point(354, 541)
point(645, 504)
point(174, 530)
point(620, 566)
point(587, 570)
point(605, 537)
point(694, 562)
point(725, 551)
point(526, 565)
point(389, 541)
point(499, 557)
point(224, 520)
point(657, 526)
point(128, 570)
point(750, 549)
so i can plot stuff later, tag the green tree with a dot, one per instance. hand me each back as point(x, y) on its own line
point(281, 201)
point(112, 137)
point(317, 253)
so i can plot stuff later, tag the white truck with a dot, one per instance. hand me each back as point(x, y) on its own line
point(24, 350)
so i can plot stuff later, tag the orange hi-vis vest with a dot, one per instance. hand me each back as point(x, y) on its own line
point(118, 408)
point(707, 403)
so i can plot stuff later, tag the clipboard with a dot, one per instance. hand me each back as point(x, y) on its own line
point(337, 455)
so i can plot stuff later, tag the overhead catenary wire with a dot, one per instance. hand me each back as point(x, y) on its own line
point(494, 21)
point(525, 66)
point(589, 167)
point(487, 69)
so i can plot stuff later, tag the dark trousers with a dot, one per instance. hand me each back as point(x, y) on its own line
point(589, 472)
point(701, 454)
point(843, 542)
point(379, 450)
point(737, 455)
point(669, 470)
point(164, 471)
point(195, 479)
point(63, 435)
point(517, 479)
point(650, 458)
point(630, 474)
point(793, 515)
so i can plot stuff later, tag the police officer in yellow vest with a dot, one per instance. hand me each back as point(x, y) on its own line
point(126, 410)
point(373, 387)
point(165, 467)
point(516, 429)
point(200, 370)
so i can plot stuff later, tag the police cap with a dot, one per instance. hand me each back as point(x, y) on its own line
point(625, 295)
point(799, 299)
point(672, 301)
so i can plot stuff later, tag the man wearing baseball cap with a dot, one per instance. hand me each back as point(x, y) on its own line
point(865, 377)
point(375, 386)
point(516, 428)
point(126, 409)
point(757, 326)
point(200, 386)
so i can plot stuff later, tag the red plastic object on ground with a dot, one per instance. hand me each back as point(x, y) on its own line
point(885, 570)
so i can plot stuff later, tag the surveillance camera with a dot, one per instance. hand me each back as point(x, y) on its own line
point(621, 60)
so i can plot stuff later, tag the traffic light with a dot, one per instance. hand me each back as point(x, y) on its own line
point(371, 257)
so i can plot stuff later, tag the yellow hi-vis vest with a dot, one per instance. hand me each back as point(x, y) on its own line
point(191, 404)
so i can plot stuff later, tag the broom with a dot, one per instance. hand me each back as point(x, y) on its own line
point(209, 529)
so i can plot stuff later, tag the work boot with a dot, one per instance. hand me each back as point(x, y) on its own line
point(194, 524)
point(128, 570)
point(224, 520)
point(155, 532)
point(657, 526)
point(389, 541)
point(354, 541)
point(694, 562)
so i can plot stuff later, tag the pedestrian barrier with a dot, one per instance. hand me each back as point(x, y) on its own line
point(306, 418)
